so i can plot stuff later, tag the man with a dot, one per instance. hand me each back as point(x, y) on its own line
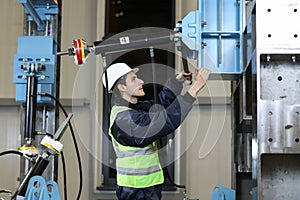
point(139, 124)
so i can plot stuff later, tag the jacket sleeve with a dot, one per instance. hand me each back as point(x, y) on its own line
point(139, 128)
point(171, 89)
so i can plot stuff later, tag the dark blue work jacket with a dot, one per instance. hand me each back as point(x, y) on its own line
point(144, 123)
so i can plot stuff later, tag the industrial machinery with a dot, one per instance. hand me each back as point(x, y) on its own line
point(258, 42)
point(53, 148)
point(254, 44)
point(36, 75)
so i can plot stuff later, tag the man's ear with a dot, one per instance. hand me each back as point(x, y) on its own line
point(121, 87)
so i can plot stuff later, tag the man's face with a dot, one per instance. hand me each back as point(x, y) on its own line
point(134, 85)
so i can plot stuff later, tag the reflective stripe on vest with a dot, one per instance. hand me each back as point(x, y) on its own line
point(133, 152)
point(143, 171)
point(136, 167)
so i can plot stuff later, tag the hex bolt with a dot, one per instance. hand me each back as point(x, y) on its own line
point(24, 67)
point(41, 67)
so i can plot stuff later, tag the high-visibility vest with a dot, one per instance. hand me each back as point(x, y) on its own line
point(136, 167)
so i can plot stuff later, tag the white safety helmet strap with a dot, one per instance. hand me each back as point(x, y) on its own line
point(114, 72)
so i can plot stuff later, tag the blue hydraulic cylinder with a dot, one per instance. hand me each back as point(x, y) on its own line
point(214, 31)
point(35, 54)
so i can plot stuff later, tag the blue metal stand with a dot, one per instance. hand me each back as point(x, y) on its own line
point(222, 193)
point(39, 189)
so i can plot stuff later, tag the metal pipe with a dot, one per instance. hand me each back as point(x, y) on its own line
point(128, 41)
point(68, 52)
point(35, 16)
point(46, 28)
point(44, 120)
point(31, 100)
point(37, 169)
point(219, 24)
point(153, 74)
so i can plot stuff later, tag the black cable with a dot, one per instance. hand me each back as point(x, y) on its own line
point(64, 175)
point(11, 152)
point(165, 170)
point(74, 140)
point(106, 96)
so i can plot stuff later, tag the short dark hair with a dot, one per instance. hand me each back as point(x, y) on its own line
point(116, 95)
point(121, 80)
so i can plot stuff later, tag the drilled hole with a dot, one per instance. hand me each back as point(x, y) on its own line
point(269, 10)
point(295, 10)
point(269, 35)
point(36, 184)
point(297, 140)
point(279, 78)
point(50, 188)
point(270, 139)
point(296, 35)
point(36, 194)
point(288, 126)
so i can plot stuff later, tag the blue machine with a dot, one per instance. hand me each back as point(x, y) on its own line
point(36, 71)
point(36, 52)
point(214, 31)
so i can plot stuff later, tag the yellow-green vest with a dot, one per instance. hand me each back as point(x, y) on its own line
point(136, 167)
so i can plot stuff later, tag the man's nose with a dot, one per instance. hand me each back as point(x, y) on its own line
point(141, 81)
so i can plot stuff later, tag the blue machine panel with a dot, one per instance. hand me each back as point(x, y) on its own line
point(38, 52)
point(215, 32)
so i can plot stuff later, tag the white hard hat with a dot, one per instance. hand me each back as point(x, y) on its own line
point(116, 71)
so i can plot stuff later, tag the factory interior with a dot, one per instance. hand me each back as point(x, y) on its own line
point(240, 140)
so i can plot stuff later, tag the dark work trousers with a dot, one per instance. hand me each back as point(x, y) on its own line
point(150, 193)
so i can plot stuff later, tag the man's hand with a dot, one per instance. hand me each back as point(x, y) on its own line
point(199, 82)
point(183, 76)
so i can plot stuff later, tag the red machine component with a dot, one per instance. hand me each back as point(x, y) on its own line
point(79, 47)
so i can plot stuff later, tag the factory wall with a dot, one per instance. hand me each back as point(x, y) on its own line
point(205, 136)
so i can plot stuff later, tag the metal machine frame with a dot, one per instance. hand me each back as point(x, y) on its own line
point(265, 92)
point(251, 43)
point(36, 70)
